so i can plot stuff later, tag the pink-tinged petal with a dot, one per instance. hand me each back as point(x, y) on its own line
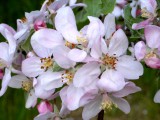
point(129, 68)
point(150, 5)
point(95, 30)
point(63, 95)
point(39, 88)
point(111, 81)
point(129, 88)
point(153, 62)
point(31, 67)
point(5, 81)
point(122, 104)
point(157, 97)
point(16, 81)
point(60, 54)
point(104, 47)
point(5, 26)
point(101, 26)
point(143, 24)
point(45, 107)
point(152, 35)
point(140, 50)
point(40, 50)
point(77, 55)
point(86, 74)
point(117, 12)
point(118, 44)
point(92, 109)
point(96, 51)
point(64, 111)
point(31, 100)
point(51, 80)
point(134, 11)
point(73, 97)
point(4, 52)
point(48, 38)
point(53, 7)
point(47, 116)
point(65, 23)
point(110, 25)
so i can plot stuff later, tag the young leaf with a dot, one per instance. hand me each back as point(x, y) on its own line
point(93, 7)
point(108, 6)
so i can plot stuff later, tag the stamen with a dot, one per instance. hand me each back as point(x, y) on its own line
point(70, 45)
point(24, 19)
point(146, 13)
point(67, 77)
point(47, 62)
point(81, 39)
point(26, 85)
point(109, 61)
point(107, 104)
point(151, 54)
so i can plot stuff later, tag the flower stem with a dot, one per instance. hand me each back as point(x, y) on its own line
point(101, 115)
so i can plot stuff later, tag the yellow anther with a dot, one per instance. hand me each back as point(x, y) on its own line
point(146, 13)
point(47, 62)
point(150, 54)
point(81, 39)
point(70, 45)
point(26, 85)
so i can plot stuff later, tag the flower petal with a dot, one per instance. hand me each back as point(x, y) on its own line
point(65, 23)
point(16, 81)
point(5, 81)
point(118, 44)
point(77, 55)
point(48, 38)
point(4, 53)
point(157, 97)
point(122, 104)
point(153, 62)
point(129, 68)
point(129, 88)
point(140, 50)
point(152, 35)
point(110, 25)
point(86, 74)
point(31, 67)
point(111, 81)
point(31, 100)
point(92, 109)
point(60, 55)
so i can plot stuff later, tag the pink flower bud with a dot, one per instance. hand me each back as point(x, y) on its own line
point(44, 107)
point(39, 24)
point(1, 74)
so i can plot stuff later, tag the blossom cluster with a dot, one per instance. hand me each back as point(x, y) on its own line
point(89, 68)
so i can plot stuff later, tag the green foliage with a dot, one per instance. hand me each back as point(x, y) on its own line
point(158, 3)
point(108, 6)
point(129, 21)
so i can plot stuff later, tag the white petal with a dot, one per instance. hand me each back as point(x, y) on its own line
point(16, 81)
point(118, 44)
point(129, 68)
point(4, 52)
point(110, 25)
point(122, 104)
point(5, 81)
point(157, 97)
point(31, 67)
point(92, 109)
point(60, 54)
point(31, 100)
point(77, 55)
point(111, 81)
point(86, 74)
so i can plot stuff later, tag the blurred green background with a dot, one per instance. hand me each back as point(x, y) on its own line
point(12, 104)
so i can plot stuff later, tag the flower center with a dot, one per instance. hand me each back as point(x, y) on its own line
point(151, 54)
point(70, 45)
point(67, 77)
point(26, 85)
point(81, 40)
point(107, 104)
point(47, 62)
point(109, 61)
point(146, 13)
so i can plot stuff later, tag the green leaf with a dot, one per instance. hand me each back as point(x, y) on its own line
point(158, 4)
point(93, 7)
point(56, 67)
point(129, 21)
point(108, 6)
point(26, 45)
